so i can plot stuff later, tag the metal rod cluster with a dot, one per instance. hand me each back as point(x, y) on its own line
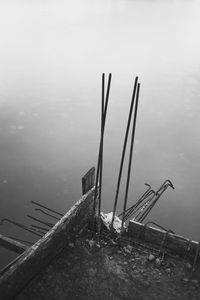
point(129, 211)
point(22, 226)
point(48, 224)
point(146, 202)
point(47, 208)
point(124, 150)
point(35, 229)
point(131, 117)
point(133, 107)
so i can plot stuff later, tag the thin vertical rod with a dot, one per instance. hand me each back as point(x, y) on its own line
point(101, 152)
point(124, 150)
point(104, 120)
point(130, 155)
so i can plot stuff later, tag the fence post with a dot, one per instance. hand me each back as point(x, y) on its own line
point(88, 180)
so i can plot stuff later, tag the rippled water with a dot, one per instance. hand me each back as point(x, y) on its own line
point(52, 55)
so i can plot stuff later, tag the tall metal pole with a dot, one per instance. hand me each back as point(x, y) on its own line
point(101, 153)
point(124, 150)
point(101, 156)
point(102, 133)
point(130, 155)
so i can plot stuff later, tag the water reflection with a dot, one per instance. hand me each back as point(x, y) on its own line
point(52, 56)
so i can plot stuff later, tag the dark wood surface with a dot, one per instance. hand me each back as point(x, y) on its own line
point(88, 180)
point(163, 240)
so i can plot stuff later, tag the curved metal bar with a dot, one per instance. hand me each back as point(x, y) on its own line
point(166, 182)
point(142, 214)
point(146, 192)
point(171, 184)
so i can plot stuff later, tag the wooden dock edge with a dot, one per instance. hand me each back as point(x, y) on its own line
point(164, 240)
point(42, 252)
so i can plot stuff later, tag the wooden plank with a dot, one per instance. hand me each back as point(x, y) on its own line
point(162, 240)
point(42, 252)
point(88, 180)
point(12, 245)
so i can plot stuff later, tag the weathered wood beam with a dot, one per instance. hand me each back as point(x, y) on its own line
point(88, 180)
point(12, 245)
point(42, 252)
point(163, 240)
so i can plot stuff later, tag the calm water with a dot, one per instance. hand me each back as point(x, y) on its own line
point(52, 55)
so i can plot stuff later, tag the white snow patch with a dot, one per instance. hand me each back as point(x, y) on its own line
point(107, 220)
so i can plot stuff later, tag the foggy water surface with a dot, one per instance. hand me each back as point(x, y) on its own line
point(52, 55)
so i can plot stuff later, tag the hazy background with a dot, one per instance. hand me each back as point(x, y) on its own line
point(52, 54)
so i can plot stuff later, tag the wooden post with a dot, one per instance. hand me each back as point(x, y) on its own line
point(12, 244)
point(88, 180)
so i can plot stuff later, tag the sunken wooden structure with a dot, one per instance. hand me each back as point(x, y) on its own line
point(12, 245)
point(15, 276)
